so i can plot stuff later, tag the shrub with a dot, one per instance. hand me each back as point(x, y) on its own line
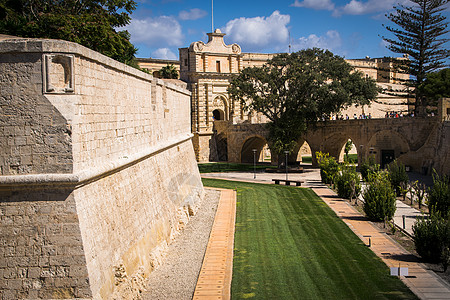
point(369, 167)
point(439, 196)
point(379, 198)
point(328, 167)
point(397, 175)
point(432, 239)
point(347, 183)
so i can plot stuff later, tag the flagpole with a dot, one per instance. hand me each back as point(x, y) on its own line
point(212, 15)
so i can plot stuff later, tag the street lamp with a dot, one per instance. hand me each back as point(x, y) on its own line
point(286, 152)
point(254, 163)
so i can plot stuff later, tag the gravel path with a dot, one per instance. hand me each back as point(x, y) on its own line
point(177, 277)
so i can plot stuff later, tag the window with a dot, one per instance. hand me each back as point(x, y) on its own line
point(218, 66)
point(185, 62)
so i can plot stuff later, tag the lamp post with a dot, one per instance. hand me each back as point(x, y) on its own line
point(286, 152)
point(254, 163)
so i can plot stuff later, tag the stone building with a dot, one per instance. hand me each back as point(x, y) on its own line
point(153, 66)
point(207, 68)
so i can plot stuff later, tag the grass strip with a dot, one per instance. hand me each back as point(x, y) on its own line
point(290, 245)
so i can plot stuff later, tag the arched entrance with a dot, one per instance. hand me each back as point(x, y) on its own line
point(253, 148)
point(349, 146)
point(219, 108)
point(386, 146)
point(218, 115)
point(302, 152)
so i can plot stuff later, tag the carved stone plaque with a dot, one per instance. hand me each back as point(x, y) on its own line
point(58, 74)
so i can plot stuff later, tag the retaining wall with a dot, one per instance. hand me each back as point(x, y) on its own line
point(97, 171)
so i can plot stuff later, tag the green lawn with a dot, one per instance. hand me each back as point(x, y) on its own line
point(290, 245)
point(231, 167)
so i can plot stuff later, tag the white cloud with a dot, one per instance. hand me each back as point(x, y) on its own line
point(259, 32)
point(193, 14)
point(355, 7)
point(156, 32)
point(164, 53)
point(331, 41)
point(314, 4)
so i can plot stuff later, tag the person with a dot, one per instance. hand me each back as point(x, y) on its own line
point(355, 116)
point(370, 116)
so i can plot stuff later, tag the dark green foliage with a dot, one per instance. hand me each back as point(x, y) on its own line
point(329, 167)
point(379, 198)
point(419, 32)
point(397, 175)
point(348, 183)
point(369, 167)
point(90, 23)
point(432, 239)
point(168, 72)
point(439, 196)
point(289, 244)
point(295, 91)
point(436, 86)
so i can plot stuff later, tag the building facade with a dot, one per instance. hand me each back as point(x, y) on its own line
point(207, 68)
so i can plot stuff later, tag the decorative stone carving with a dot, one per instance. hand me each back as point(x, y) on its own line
point(236, 48)
point(198, 46)
point(58, 73)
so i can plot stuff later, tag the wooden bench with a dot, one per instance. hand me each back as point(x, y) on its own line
point(288, 182)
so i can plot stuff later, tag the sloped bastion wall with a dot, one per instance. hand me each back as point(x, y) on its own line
point(97, 172)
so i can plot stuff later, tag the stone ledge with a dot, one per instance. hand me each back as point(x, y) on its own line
point(10, 44)
point(83, 177)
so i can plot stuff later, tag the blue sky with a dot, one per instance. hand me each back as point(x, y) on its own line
point(349, 28)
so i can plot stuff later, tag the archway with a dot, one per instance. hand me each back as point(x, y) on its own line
point(219, 108)
point(350, 146)
point(303, 152)
point(386, 146)
point(218, 115)
point(248, 153)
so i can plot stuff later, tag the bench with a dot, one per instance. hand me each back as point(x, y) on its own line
point(288, 182)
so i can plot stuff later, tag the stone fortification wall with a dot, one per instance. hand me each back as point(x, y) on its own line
point(97, 171)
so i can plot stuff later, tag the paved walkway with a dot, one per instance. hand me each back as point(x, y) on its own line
point(410, 216)
point(424, 283)
point(214, 281)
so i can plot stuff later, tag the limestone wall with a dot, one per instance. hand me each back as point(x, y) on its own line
point(97, 172)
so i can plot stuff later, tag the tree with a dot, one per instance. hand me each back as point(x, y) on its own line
point(436, 86)
point(168, 72)
point(294, 91)
point(91, 23)
point(347, 148)
point(418, 33)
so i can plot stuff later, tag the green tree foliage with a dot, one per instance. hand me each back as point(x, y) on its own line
point(419, 31)
point(439, 196)
point(379, 198)
point(397, 175)
point(168, 72)
point(436, 86)
point(90, 23)
point(432, 239)
point(329, 167)
point(297, 90)
point(369, 167)
point(348, 183)
point(347, 148)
